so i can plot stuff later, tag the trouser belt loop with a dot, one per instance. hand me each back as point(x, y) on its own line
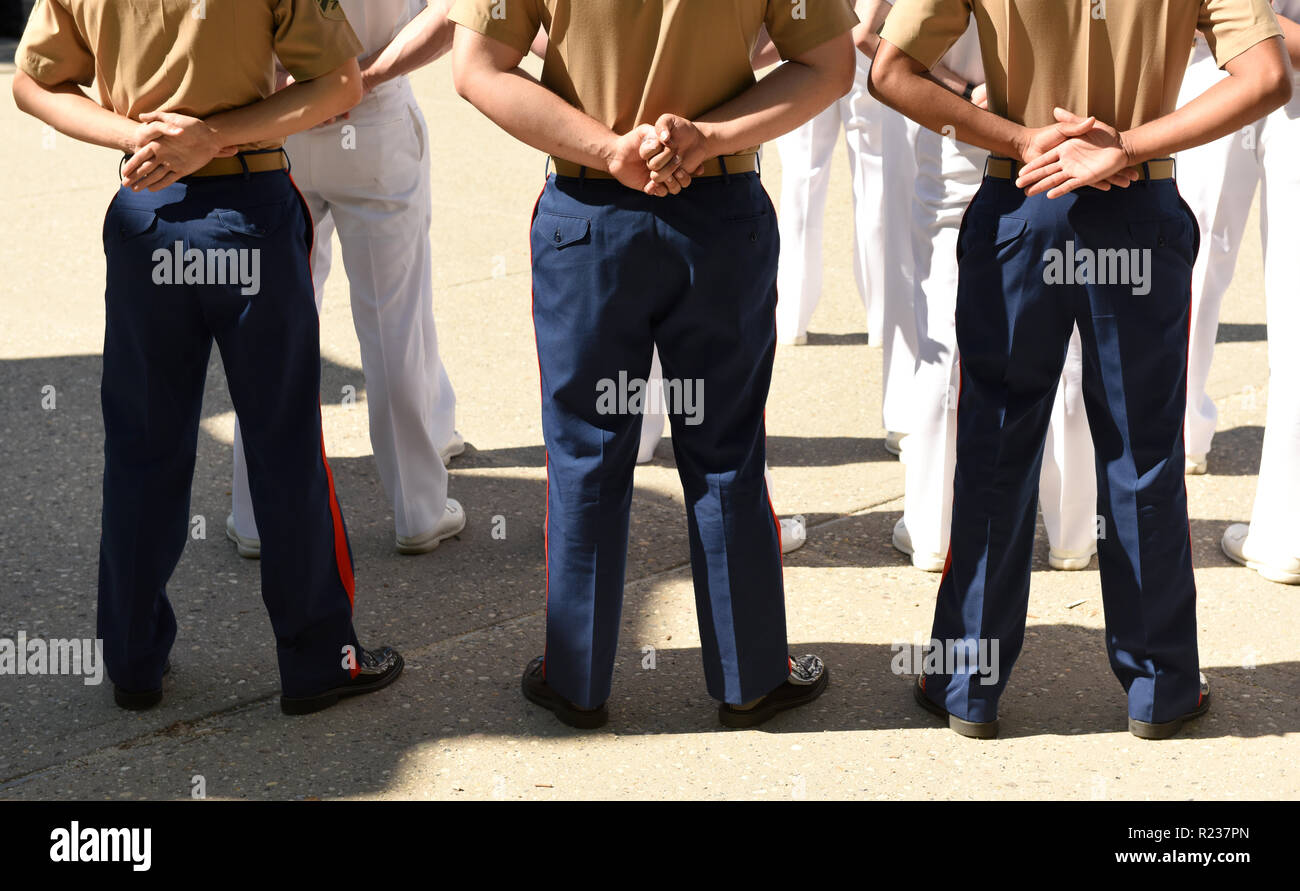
point(243, 162)
point(582, 177)
point(726, 177)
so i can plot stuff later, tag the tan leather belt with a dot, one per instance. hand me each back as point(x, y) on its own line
point(241, 164)
point(1005, 168)
point(746, 163)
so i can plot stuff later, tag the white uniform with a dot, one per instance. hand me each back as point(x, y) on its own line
point(368, 176)
point(1218, 181)
point(899, 135)
point(805, 176)
point(948, 174)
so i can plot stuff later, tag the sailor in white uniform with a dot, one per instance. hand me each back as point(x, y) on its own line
point(1218, 181)
point(367, 175)
point(805, 178)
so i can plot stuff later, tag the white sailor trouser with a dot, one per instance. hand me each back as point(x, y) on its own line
point(805, 176)
point(368, 176)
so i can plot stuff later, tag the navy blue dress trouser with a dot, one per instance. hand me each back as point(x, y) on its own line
point(1118, 264)
point(616, 272)
point(168, 254)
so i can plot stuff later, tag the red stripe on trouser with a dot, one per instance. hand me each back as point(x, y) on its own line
point(342, 558)
point(546, 527)
point(341, 555)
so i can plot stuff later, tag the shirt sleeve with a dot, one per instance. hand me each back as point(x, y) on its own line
point(796, 28)
point(313, 37)
point(1233, 26)
point(512, 22)
point(53, 51)
point(926, 29)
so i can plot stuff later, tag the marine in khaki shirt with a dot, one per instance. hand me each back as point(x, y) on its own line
point(1121, 60)
point(175, 56)
point(1082, 98)
point(655, 94)
point(626, 62)
point(182, 88)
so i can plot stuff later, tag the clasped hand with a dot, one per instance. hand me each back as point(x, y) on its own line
point(661, 159)
point(170, 146)
point(1073, 153)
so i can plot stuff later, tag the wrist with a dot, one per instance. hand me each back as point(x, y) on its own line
point(1132, 154)
point(372, 77)
point(1020, 144)
point(127, 139)
point(607, 152)
point(712, 139)
point(213, 140)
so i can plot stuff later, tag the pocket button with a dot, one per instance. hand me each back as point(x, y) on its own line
point(558, 236)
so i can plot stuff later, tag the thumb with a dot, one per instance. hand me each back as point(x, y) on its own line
point(649, 143)
point(668, 126)
point(1071, 124)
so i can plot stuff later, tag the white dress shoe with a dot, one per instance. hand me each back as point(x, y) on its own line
point(452, 522)
point(1071, 561)
point(923, 561)
point(793, 535)
point(249, 548)
point(796, 340)
point(1197, 465)
point(894, 443)
point(1236, 544)
point(454, 448)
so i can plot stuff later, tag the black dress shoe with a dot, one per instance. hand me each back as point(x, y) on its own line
point(808, 679)
point(536, 690)
point(138, 702)
point(376, 670)
point(1166, 729)
point(968, 729)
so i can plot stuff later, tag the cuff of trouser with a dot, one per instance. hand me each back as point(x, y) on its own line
point(317, 660)
point(978, 705)
point(751, 688)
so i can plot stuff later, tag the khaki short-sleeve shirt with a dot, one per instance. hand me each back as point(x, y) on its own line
point(174, 55)
point(626, 62)
point(1121, 60)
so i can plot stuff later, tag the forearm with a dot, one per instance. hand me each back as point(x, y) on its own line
point(426, 38)
point(70, 111)
point(950, 79)
point(923, 99)
point(298, 107)
point(788, 97)
point(1291, 33)
point(1256, 86)
point(529, 112)
point(866, 36)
